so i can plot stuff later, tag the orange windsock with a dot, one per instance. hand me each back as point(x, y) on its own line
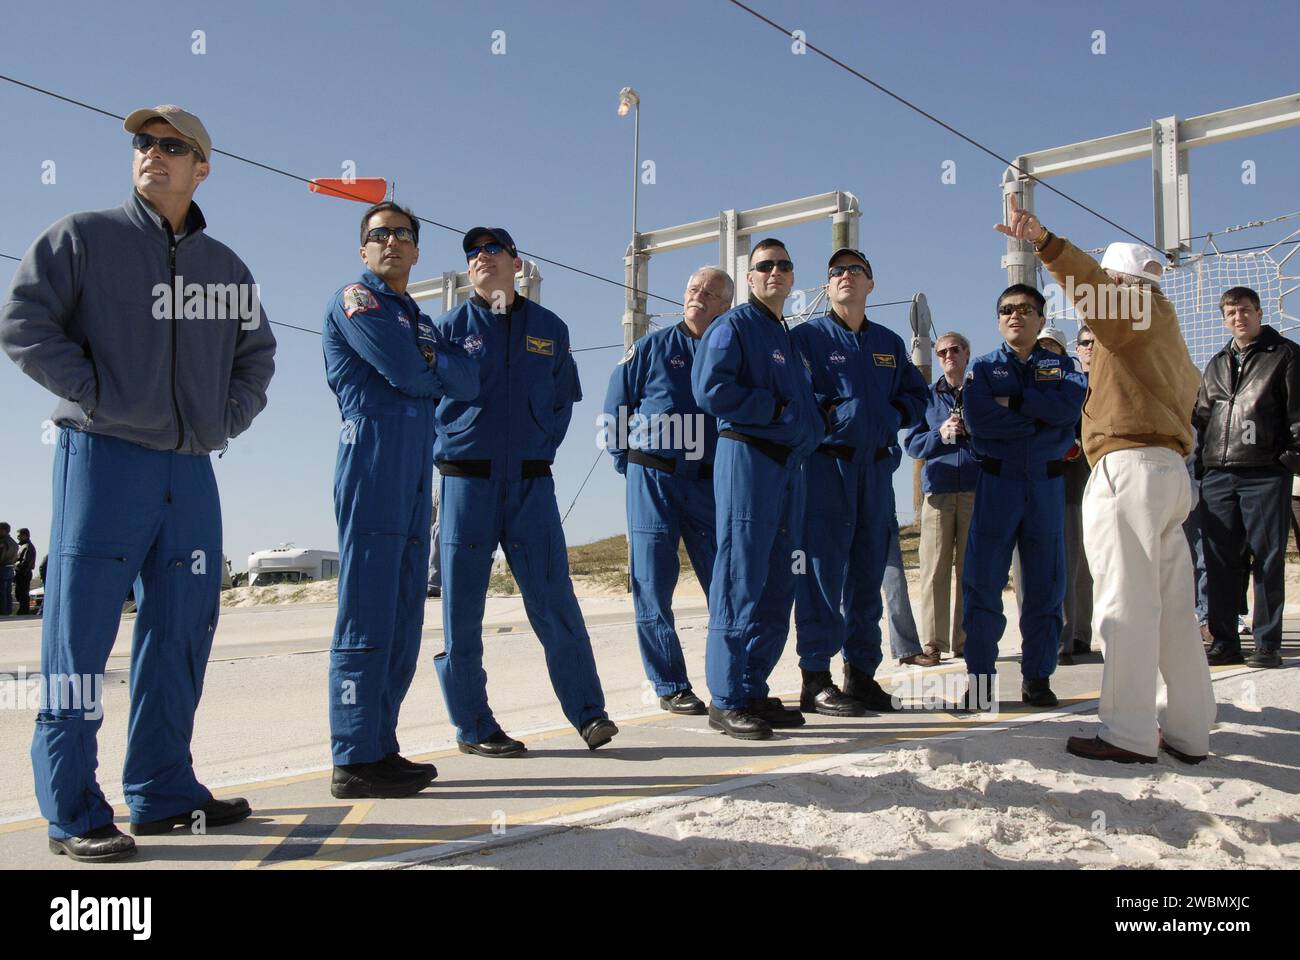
point(361, 189)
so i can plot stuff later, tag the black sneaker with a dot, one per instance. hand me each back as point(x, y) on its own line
point(355, 781)
point(683, 703)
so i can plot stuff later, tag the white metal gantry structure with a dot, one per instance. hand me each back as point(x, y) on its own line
point(1167, 142)
point(732, 231)
point(453, 288)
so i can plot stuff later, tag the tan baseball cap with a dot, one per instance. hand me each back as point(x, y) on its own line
point(184, 121)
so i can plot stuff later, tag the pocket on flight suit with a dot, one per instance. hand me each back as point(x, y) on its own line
point(373, 583)
point(750, 533)
point(193, 599)
point(93, 584)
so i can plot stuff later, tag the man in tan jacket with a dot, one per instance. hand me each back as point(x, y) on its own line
point(1136, 433)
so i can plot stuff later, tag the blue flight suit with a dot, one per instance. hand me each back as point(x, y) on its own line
point(494, 453)
point(1019, 500)
point(126, 515)
point(870, 388)
point(665, 444)
point(378, 347)
point(750, 376)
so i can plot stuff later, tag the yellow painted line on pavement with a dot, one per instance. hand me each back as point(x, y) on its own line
point(340, 850)
point(284, 825)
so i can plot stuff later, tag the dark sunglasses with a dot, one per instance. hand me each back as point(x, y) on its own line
point(381, 234)
point(943, 352)
point(765, 266)
point(1020, 309)
point(169, 145)
point(491, 249)
point(853, 268)
point(1085, 343)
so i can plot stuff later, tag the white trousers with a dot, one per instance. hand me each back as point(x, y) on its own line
point(1143, 609)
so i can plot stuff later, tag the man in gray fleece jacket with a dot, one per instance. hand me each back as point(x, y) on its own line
point(153, 338)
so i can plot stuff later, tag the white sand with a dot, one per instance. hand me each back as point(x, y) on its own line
point(997, 799)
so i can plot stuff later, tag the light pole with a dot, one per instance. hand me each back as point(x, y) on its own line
point(635, 320)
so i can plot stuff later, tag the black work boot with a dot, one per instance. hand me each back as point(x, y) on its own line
point(820, 695)
point(775, 713)
point(1038, 693)
point(864, 689)
point(740, 724)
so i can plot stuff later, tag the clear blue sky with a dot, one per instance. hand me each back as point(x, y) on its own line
point(530, 140)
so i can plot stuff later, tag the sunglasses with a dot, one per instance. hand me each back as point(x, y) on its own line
point(856, 269)
point(766, 266)
point(381, 234)
point(943, 352)
point(171, 146)
point(1084, 343)
point(491, 249)
point(1019, 309)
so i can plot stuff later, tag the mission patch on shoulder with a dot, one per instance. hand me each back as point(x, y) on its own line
point(357, 298)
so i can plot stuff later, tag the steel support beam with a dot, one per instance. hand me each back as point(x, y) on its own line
point(452, 289)
point(1167, 142)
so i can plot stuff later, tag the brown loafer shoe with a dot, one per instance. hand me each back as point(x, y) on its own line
point(921, 660)
point(1189, 758)
point(1095, 748)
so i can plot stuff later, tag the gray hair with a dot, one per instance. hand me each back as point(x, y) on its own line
point(726, 278)
point(954, 335)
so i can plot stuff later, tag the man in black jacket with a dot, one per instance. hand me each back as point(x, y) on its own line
point(1248, 419)
point(23, 568)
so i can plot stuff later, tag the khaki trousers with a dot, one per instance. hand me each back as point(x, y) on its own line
point(1143, 610)
point(945, 521)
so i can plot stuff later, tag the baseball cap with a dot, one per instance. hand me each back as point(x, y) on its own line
point(498, 234)
point(184, 121)
point(854, 253)
point(1135, 259)
point(1055, 333)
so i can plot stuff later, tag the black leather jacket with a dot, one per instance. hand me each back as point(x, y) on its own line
point(1251, 418)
